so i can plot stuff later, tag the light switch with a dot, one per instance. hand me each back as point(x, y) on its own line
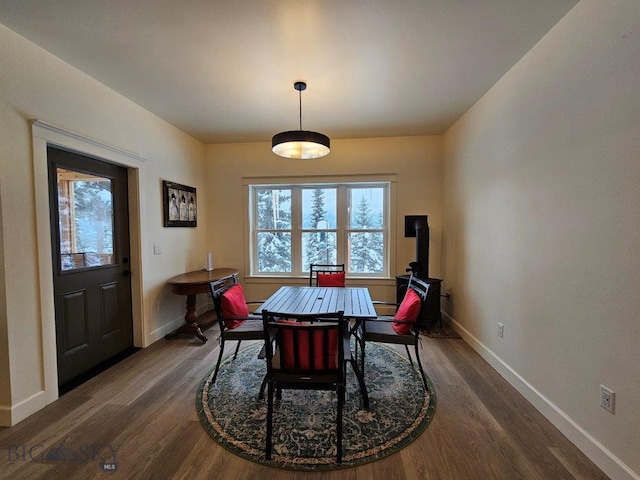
point(157, 250)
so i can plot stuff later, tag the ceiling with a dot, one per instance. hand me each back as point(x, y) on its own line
point(223, 70)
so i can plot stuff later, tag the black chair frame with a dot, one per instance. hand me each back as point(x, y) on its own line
point(380, 330)
point(316, 268)
point(250, 330)
point(296, 377)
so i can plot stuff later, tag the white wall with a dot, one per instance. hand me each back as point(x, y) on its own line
point(415, 161)
point(5, 386)
point(36, 85)
point(541, 228)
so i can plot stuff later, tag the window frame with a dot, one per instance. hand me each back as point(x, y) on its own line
point(343, 228)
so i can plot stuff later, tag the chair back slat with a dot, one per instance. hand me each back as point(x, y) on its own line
point(419, 286)
point(323, 269)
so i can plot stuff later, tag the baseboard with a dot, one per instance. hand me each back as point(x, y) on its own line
point(159, 333)
point(167, 328)
point(10, 415)
point(592, 448)
point(5, 416)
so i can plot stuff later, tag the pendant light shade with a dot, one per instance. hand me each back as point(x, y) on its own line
point(300, 144)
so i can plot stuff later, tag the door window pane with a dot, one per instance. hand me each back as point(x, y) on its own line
point(85, 210)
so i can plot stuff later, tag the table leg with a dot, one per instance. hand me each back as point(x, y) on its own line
point(360, 376)
point(353, 360)
point(191, 321)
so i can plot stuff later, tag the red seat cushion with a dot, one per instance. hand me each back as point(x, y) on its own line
point(408, 311)
point(234, 305)
point(331, 279)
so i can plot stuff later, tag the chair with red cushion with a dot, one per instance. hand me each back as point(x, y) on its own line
point(305, 353)
point(401, 329)
point(234, 319)
point(325, 275)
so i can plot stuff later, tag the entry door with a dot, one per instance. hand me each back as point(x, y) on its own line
point(90, 240)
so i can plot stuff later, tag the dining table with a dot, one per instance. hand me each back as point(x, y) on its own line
point(355, 302)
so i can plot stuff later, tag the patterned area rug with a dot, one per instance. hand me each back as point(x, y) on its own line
point(304, 421)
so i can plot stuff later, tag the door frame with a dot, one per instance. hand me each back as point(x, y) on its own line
point(44, 134)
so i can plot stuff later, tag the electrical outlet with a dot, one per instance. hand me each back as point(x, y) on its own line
point(607, 398)
point(500, 330)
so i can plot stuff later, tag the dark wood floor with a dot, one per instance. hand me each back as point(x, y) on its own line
point(144, 407)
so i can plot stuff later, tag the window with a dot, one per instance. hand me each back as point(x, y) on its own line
point(85, 211)
point(293, 226)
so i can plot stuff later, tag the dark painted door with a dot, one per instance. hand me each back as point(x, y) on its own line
point(90, 243)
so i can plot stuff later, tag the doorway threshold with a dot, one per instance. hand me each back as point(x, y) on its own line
point(94, 371)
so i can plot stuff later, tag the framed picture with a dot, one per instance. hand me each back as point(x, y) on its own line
point(180, 205)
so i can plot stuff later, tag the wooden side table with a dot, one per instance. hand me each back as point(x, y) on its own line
point(191, 284)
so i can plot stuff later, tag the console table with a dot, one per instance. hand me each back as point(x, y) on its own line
point(191, 284)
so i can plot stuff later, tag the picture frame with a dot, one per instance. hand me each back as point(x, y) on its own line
point(180, 204)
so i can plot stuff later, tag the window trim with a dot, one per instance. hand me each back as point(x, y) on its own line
point(305, 181)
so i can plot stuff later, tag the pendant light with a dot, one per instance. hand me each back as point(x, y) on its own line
point(300, 144)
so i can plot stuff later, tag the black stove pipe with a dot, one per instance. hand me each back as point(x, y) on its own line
point(422, 248)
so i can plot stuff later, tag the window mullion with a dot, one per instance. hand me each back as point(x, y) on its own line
point(255, 230)
point(296, 230)
point(342, 201)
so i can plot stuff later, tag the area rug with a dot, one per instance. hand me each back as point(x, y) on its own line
point(304, 421)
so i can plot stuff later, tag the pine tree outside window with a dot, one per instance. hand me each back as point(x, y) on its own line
point(366, 230)
point(319, 226)
point(273, 239)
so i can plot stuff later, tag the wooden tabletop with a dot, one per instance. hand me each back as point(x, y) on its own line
point(354, 301)
point(193, 283)
point(202, 276)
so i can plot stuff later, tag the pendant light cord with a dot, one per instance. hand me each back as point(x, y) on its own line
point(300, 103)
